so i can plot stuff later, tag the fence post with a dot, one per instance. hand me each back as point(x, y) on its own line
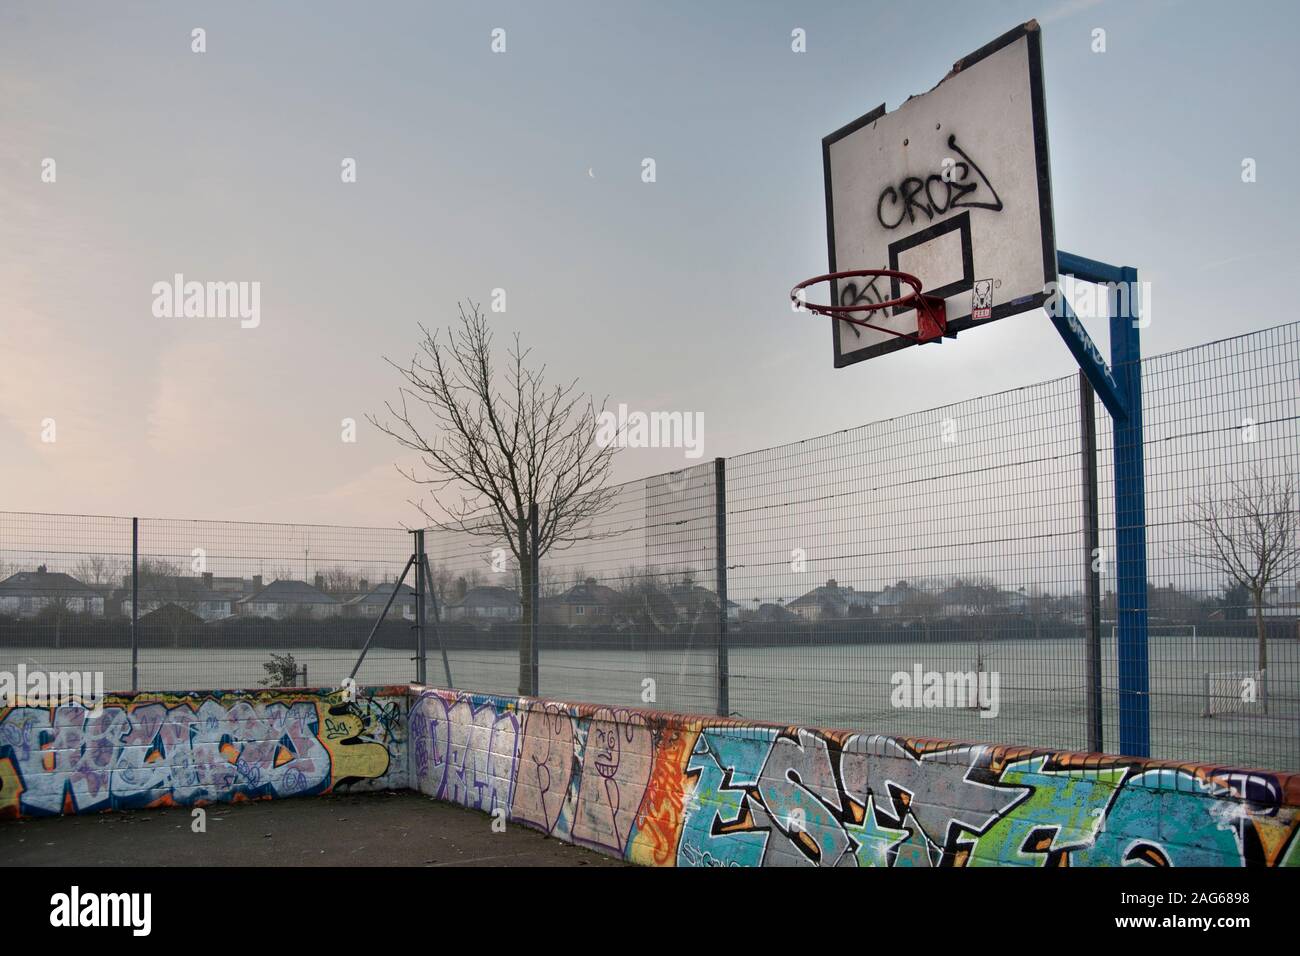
point(437, 622)
point(1130, 525)
point(535, 589)
point(135, 603)
point(1091, 569)
point(720, 524)
point(420, 585)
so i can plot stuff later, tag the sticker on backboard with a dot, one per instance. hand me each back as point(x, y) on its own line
point(981, 299)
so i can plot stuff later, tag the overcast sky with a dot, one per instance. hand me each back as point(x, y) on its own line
point(522, 170)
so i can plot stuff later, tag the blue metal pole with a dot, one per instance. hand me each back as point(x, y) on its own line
point(1130, 523)
point(1120, 389)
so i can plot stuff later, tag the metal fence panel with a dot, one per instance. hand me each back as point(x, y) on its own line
point(57, 578)
point(947, 541)
point(630, 615)
point(1214, 414)
point(218, 598)
point(476, 582)
point(825, 582)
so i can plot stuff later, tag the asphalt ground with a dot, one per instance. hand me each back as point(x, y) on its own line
point(370, 829)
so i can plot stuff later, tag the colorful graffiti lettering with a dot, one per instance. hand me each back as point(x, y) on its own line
point(652, 787)
point(665, 790)
point(464, 749)
point(147, 750)
point(659, 821)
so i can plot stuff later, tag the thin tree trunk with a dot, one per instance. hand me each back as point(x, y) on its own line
point(526, 625)
point(1261, 634)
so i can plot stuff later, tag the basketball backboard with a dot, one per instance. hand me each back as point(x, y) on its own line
point(952, 187)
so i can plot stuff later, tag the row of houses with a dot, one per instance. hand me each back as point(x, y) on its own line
point(209, 598)
point(206, 597)
point(834, 600)
point(588, 603)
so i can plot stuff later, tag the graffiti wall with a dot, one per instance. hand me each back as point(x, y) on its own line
point(194, 748)
point(652, 787)
point(665, 790)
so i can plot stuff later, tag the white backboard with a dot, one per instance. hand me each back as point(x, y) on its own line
point(954, 187)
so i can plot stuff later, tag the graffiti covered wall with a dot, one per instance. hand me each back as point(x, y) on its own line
point(652, 787)
point(194, 748)
point(665, 789)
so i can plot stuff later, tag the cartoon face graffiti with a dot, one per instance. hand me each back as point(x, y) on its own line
point(603, 742)
point(615, 771)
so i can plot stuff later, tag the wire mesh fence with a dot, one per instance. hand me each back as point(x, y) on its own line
point(928, 575)
point(630, 613)
point(58, 578)
point(1221, 431)
point(627, 606)
point(948, 541)
point(213, 601)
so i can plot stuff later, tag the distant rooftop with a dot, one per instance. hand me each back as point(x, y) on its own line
point(43, 581)
point(290, 592)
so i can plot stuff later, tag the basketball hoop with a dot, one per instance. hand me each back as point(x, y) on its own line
point(931, 315)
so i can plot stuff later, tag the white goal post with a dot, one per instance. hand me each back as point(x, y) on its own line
point(1234, 692)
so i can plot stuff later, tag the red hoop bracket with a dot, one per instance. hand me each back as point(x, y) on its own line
point(931, 313)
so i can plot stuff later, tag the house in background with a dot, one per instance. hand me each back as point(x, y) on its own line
point(895, 601)
point(289, 599)
point(27, 593)
point(190, 594)
point(693, 602)
point(1281, 601)
point(171, 617)
point(973, 600)
point(371, 603)
point(770, 613)
point(832, 600)
point(485, 605)
point(232, 587)
point(582, 605)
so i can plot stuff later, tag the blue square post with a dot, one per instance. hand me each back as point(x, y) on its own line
point(1120, 388)
point(1130, 522)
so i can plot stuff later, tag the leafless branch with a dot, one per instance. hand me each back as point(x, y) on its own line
point(492, 443)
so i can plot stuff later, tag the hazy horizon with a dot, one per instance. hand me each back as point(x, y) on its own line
point(522, 170)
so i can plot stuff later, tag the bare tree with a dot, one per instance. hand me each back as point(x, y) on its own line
point(501, 447)
point(976, 594)
point(99, 573)
point(162, 584)
point(1248, 531)
point(340, 580)
point(440, 582)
